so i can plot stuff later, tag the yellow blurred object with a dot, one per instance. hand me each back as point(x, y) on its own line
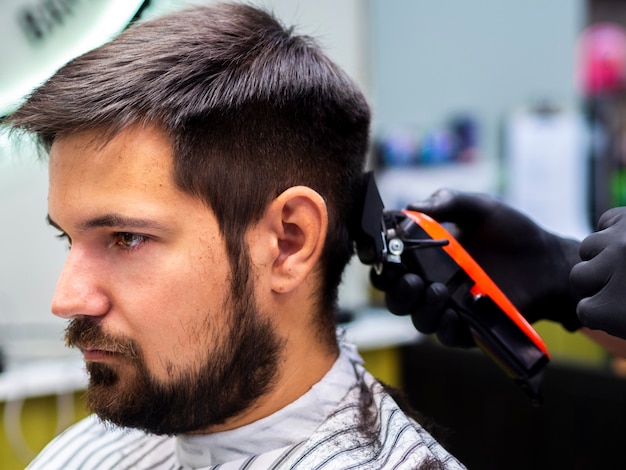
point(571, 347)
point(38, 420)
point(384, 364)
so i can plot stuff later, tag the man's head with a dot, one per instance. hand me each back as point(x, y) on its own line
point(174, 151)
point(251, 109)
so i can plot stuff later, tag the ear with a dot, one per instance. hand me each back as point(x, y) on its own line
point(296, 223)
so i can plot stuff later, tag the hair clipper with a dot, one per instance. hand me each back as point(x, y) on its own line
point(424, 247)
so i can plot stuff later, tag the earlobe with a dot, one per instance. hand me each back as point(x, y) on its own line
point(300, 222)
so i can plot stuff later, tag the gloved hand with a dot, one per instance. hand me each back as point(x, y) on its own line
point(530, 265)
point(601, 277)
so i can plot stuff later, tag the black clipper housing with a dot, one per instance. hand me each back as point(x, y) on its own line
point(418, 244)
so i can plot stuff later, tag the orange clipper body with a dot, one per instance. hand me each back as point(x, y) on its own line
point(496, 325)
point(412, 242)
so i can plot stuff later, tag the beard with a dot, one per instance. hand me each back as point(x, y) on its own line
point(238, 366)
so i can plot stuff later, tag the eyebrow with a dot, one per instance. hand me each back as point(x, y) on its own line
point(114, 220)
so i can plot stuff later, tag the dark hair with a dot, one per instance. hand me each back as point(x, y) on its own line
point(251, 109)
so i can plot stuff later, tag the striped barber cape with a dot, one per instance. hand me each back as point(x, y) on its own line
point(317, 432)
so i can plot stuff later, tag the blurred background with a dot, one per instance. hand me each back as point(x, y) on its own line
point(521, 100)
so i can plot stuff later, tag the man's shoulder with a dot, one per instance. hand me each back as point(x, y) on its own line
point(92, 443)
point(369, 430)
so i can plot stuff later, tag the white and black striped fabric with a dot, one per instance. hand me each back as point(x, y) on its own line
point(320, 431)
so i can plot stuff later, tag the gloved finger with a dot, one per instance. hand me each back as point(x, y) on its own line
point(611, 217)
point(453, 331)
point(387, 278)
point(427, 315)
point(588, 277)
point(604, 310)
point(611, 232)
point(405, 294)
point(593, 244)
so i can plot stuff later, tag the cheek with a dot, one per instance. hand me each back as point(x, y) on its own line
point(181, 312)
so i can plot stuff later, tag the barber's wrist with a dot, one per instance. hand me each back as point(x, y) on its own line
point(550, 293)
point(569, 250)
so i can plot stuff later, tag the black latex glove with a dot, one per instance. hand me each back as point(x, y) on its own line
point(530, 265)
point(601, 277)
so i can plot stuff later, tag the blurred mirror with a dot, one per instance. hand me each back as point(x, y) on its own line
point(39, 36)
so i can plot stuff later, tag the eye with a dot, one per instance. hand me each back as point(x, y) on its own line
point(128, 240)
point(65, 237)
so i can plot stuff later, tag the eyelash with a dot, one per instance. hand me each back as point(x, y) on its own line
point(125, 240)
point(65, 237)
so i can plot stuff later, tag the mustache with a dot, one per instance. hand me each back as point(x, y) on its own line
point(86, 333)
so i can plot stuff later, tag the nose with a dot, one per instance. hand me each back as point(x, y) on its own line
point(80, 290)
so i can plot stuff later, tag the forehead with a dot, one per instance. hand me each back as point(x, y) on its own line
point(137, 152)
point(130, 173)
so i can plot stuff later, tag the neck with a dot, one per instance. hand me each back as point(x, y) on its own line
point(306, 358)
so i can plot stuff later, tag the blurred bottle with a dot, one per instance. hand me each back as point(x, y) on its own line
point(601, 80)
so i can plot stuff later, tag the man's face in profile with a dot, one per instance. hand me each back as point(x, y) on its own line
point(147, 288)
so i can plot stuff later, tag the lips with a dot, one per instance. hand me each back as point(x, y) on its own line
point(94, 351)
point(92, 354)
